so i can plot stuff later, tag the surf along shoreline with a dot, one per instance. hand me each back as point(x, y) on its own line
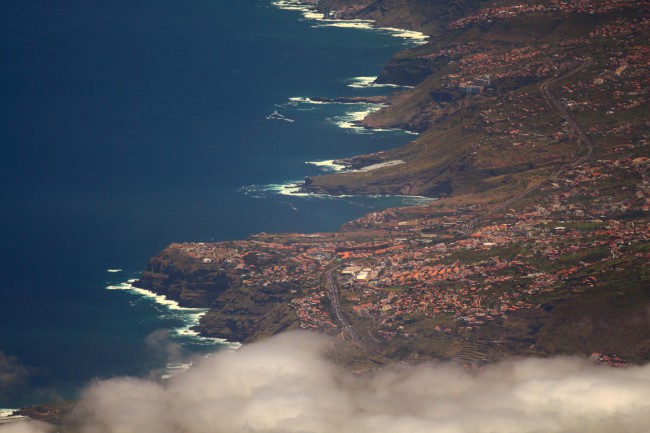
point(295, 188)
point(353, 119)
point(192, 315)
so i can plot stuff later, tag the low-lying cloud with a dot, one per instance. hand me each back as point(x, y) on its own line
point(285, 385)
point(26, 427)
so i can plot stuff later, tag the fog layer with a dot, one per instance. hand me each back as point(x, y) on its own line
point(285, 385)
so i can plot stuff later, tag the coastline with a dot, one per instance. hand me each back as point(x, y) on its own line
point(7, 416)
point(351, 120)
point(425, 230)
point(189, 315)
point(310, 12)
point(464, 215)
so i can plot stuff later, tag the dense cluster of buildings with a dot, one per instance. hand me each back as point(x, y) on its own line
point(501, 267)
point(432, 263)
point(559, 6)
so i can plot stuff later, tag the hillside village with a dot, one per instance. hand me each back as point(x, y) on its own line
point(396, 272)
point(541, 244)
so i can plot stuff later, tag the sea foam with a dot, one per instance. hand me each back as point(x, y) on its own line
point(350, 119)
point(290, 188)
point(327, 165)
point(303, 100)
point(189, 316)
point(277, 116)
point(345, 24)
point(7, 413)
point(410, 36)
point(309, 12)
point(414, 36)
point(369, 82)
point(175, 368)
point(293, 189)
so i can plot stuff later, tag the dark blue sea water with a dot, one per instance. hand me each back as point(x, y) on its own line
point(127, 125)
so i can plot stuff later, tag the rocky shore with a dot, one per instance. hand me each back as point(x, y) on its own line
point(532, 210)
point(199, 275)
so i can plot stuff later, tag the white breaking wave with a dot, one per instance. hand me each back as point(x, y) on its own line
point(415, 36)
point(113, 271)
point(309, 12)
point(7, 413)
point(346, 24)
point(291, 188)
point(412, 36)
point(176, 368)
point(350, 119)
point(327, 165)
point(302, 100)
point(369, 82)
point(277, 116)
point(189, 316)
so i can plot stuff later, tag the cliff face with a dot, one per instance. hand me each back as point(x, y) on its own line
point(430, 17)
point(427, 16)
point(436, 164)
point(477, 103)
point(189, 283)
point(540, 246)
point(239, 313)
point(247, 314)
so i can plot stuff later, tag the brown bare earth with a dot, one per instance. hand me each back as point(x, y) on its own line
point(533, 124)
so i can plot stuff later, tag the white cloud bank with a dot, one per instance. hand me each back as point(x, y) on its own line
point(284, 385)
point(26, 427)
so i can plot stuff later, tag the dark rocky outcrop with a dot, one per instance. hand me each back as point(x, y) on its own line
point(247, 314)
point(190, 283)
point(237, 312)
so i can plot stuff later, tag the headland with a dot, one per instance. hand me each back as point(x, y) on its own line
point(533, 122)
point(533, 137)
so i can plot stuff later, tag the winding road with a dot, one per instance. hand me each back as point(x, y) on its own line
point(559, 108)
point(554, 104)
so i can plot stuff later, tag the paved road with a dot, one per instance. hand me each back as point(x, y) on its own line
point(559, 108)
point(554, 104)
point(340, 317)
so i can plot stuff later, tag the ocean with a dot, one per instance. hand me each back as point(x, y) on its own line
point(126, 126)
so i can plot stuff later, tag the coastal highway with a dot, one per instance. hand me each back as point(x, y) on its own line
point(560, 108)
point(555, 104)
point(345, 324)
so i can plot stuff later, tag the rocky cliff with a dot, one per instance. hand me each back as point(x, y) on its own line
point(178, 277)
point(478, 92)
point(238, 312)
point(533, 129)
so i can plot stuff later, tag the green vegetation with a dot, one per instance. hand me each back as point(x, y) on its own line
point(539, 242)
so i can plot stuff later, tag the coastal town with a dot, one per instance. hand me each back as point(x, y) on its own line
point(563, 7)
point(424, 266)
point(529, 239)
point(478, 276)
